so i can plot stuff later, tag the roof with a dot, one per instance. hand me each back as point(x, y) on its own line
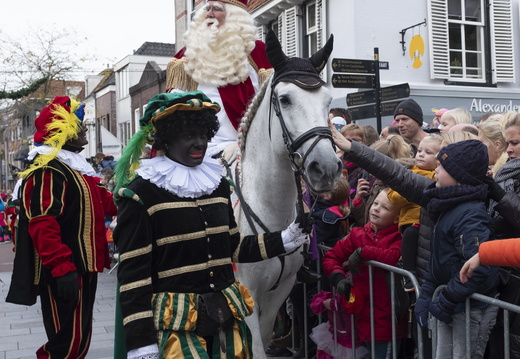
point(109, 78)
point(156, 49)
point(254, 4)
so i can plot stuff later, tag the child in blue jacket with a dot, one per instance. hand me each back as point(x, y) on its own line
point(456, 203)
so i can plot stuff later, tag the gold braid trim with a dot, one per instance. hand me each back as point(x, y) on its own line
point(263, 75)
point(177, 78)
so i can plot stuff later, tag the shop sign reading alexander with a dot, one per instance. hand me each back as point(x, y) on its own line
point(479, 105)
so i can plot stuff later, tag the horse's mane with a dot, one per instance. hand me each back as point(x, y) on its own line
point(250, 113)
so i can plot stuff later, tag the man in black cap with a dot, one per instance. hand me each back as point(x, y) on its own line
point(408, 116)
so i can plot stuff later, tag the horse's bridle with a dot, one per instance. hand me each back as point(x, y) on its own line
point(298, 168)
point(320, 132)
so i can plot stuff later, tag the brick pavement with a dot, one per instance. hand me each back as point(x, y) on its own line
point(21, 327)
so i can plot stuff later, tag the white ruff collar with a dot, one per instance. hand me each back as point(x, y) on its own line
point(72, 159)
point(182, 181)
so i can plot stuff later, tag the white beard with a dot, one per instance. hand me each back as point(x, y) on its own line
point(218, 55)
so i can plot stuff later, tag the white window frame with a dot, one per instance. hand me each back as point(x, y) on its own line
point(125, 129)
point(465, 71)
point(123, 83)
point(312, 29)
point(137, 116)
point(501, 44)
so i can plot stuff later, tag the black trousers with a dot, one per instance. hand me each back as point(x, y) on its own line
point(68, 324)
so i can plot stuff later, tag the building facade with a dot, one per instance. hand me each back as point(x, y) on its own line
point(451, 53)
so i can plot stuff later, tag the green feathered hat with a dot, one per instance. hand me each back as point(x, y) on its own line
point(161, 106)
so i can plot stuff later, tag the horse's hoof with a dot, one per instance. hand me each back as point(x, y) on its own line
point(307, 275)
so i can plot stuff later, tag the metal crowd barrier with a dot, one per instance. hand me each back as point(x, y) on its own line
point(508, 307)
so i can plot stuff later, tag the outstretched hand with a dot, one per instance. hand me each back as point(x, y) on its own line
point(469, 267)
point(339, 140)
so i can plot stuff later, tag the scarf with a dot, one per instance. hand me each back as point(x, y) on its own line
point(444, 198)
point(508, 178)
point(182, 181)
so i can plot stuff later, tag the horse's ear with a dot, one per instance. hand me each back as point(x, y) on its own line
point(274, 51)
point(320, 58)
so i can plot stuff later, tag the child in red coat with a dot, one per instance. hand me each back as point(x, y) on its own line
point(378, 240)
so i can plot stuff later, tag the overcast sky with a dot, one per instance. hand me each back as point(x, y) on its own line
point(113, 28)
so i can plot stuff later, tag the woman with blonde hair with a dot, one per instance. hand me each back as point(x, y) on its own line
point(394, 147)
point(491, 133)
point(453, 117)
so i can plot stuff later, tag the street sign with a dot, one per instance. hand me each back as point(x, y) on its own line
point(362, 112)
point(352, 81)
point(387, 94)
point(394, 92)
point(353, 66)
point(384, 65)
point(361, 98)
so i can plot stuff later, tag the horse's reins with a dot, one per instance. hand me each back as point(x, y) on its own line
point(297, 166)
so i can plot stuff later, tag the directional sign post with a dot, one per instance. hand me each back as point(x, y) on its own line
point(387, 94)
point(355, 73)
point(352, 81)
point(368, 111)
point(353, 66)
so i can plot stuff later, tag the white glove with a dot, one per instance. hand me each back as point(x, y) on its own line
point(148, 352)
point(293, 237)
point(230, 152)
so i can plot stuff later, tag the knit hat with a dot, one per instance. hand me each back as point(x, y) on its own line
point(240, 3)
point(411, 109)
point(465, 161)
point(338, 122)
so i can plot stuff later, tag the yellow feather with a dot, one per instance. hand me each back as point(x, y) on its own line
point(64, 127)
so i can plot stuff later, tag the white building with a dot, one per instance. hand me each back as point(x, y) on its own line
point(452, 53)
point(128, 73)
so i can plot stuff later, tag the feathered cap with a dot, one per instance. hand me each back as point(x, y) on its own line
point(57, 124)
point(160, 107)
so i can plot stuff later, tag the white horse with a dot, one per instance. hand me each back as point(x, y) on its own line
point(266, 177)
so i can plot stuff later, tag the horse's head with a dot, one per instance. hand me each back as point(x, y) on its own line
point(301, 104)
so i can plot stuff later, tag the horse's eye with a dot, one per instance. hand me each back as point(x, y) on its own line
point(284, 100)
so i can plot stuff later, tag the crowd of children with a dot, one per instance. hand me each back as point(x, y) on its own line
point(441, 191)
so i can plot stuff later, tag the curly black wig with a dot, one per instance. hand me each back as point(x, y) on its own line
point(169, 128)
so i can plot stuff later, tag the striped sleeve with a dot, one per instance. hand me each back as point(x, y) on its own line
point(43, 197)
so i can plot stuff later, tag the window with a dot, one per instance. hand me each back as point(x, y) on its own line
point(466, 39)
point(123, 83)
point(190, 8)
point(105, 121)
point(311, 28)
point(137, 116)
point(471, 41)
point(306, 22)
point(125, 129)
